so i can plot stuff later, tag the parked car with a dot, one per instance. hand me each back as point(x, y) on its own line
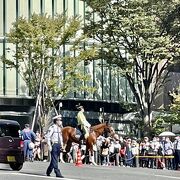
point(11, 144)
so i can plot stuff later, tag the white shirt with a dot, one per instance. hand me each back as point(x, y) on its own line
point(155, 145)
point(117, 145)
point(177, 144)
point(53, 132)
point(111, 148)
point(99, 141)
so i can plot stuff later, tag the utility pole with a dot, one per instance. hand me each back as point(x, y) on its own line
point(60, 106)
point(101, 116)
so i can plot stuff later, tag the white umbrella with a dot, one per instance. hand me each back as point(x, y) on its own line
point(167, 133)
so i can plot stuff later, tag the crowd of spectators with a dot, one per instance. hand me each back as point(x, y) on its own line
point(160, 153)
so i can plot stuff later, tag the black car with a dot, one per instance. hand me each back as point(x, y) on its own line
point(11, 144)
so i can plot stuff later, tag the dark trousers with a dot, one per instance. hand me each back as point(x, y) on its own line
point(176, 159)
point(28, 153)
point(54, 160)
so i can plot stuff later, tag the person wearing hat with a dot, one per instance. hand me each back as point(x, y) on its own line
point(54, 138)
point(82, 122)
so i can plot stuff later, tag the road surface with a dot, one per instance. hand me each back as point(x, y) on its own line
point(37, 170)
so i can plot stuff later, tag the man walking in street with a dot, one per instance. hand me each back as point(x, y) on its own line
point(54, 137)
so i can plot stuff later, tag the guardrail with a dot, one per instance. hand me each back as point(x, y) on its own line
point(170, 157)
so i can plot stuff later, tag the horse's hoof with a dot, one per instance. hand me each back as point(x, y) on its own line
point(93, 163)
point(63, 150)
point(61, 160)
point(82, 157)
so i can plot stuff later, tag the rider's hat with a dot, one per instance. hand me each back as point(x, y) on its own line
point(79, 107)
point(26, 125)
point(58, 117)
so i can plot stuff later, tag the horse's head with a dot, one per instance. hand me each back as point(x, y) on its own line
point(103, 128)
point(108, 130)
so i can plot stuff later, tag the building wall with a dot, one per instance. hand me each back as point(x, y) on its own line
point(163, 100)
point(108, 83)
point(111, 88)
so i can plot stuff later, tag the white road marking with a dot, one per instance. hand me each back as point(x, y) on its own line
point(170, 177)
point(38, 176)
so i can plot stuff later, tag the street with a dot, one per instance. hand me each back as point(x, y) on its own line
point(36, 171)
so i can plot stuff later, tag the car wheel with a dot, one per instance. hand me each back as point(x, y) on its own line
point(16, 166)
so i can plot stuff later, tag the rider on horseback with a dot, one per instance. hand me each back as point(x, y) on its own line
point(83, 124)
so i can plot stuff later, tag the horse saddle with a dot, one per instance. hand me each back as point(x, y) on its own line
point(78, 133)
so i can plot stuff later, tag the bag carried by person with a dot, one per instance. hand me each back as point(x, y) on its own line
point(122, 152)
point(31, 145)
point(105, 151)
point(116, 150)
point(151, 151)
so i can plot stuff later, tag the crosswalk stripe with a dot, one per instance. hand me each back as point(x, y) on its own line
point(170, 177)
point(38, 176)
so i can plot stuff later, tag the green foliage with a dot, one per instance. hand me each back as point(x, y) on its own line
point(175, 109)
point(39, 58)
point(39, 43)
point(132, 36)
point(160, 124)
point(168, 118)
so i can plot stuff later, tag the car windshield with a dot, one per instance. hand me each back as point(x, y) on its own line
point(9, 130)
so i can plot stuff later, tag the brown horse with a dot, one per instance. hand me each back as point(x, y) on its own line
point(69, 136)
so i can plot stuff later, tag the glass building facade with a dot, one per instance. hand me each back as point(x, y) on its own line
point(110, 86)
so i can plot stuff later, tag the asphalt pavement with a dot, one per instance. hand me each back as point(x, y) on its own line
point(36, 171)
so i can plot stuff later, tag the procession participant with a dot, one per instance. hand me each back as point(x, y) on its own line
point(83, 124)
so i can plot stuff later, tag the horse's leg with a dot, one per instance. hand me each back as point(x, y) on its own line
point(90, 142)
point(67, 150)
point(91, 155)
point(61, 157)
point(65, 141)
point(64, 146)
point(62, 152)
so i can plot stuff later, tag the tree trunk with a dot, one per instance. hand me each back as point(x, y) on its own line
point(146, 115)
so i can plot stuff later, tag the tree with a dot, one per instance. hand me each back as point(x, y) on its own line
point(39, 58)
point(174, 109)
point(134, 39)
point(166, 119)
